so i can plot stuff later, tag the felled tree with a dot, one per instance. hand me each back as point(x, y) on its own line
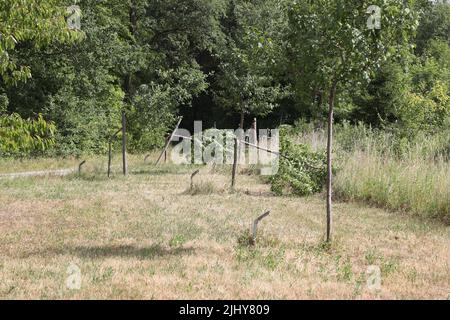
point(333, 41)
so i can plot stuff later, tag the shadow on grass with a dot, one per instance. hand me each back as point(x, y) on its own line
point(119, 251)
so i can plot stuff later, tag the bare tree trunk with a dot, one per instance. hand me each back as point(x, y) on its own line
point(235, 163)
point(329, 162)
point(124, 144)
point(109, 157)
point(241, 124)
point(254, 132)
point(128, 81)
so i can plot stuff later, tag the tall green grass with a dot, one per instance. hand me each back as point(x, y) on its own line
point(410, 174)
point(417, 186)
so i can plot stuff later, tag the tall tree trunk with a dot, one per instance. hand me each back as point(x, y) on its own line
point(129, 89)
point(241, 124)
point(329, 161)
point(124, 144)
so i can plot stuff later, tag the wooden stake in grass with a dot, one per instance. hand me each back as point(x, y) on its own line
point(254, 132)
point(165, 153)
point(110, 150)
point(255, 226)
point(124, 144)
point(329, 163)
point(169, 140)
point(80, 166)
point(192, 178)
point(235, 163)
point(109, 157)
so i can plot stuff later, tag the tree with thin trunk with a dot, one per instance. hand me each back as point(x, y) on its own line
point(334, 43)
point(245, 83)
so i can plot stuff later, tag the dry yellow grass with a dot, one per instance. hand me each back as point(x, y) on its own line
point(144, 237)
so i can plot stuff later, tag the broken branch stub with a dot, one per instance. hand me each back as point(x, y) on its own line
point(255, 226)
point(192, 178)
point(80, 166)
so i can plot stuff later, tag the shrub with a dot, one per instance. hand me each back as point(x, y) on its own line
point(19, 137)
point(85, 123)
point(301, 172)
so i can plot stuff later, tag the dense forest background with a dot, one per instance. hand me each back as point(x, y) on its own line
point(220, 61)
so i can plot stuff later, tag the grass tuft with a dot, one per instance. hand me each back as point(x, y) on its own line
point(203, 188)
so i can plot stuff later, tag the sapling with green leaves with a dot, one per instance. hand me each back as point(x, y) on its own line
point(334, 45)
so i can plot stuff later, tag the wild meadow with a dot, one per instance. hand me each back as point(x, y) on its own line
point(398, 174)
point(149, 236)
point(358, 206)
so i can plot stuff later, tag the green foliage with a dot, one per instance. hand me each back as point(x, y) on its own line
point(3, 103)
point(245, 83)
point(154, 106)
point(331, 47)
point(37, 22)
point(412, 182)
point(412, 98)
point(386, 169)
point(303, 173)
point(20, 137)
point(150, 118)
point(211, 59)
point(177, 241)
point(85, 124)
point(434, 25)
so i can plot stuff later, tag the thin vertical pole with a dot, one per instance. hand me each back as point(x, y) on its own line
point(109, 158)
point(329, 163)
point(124, 144)
point(235, 163)
point(165, 152)
point(169, 141)
point(254, 132)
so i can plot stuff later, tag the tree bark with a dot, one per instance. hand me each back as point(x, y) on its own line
point(241, 124)
point(235, 163)
point(129, 88)
point(124, 144)
point(109, 157)
point(330, 161)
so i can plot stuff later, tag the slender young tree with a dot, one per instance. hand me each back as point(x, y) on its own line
point(342, 43)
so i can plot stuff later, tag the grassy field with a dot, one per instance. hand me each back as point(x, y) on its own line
point(145, 237)
point(376, 168)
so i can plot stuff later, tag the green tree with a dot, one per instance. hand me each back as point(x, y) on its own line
point(334, 47)
point(245, 82)
point(434, 25)
point(83, 86)
point(32, 21)
point(21, 137)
